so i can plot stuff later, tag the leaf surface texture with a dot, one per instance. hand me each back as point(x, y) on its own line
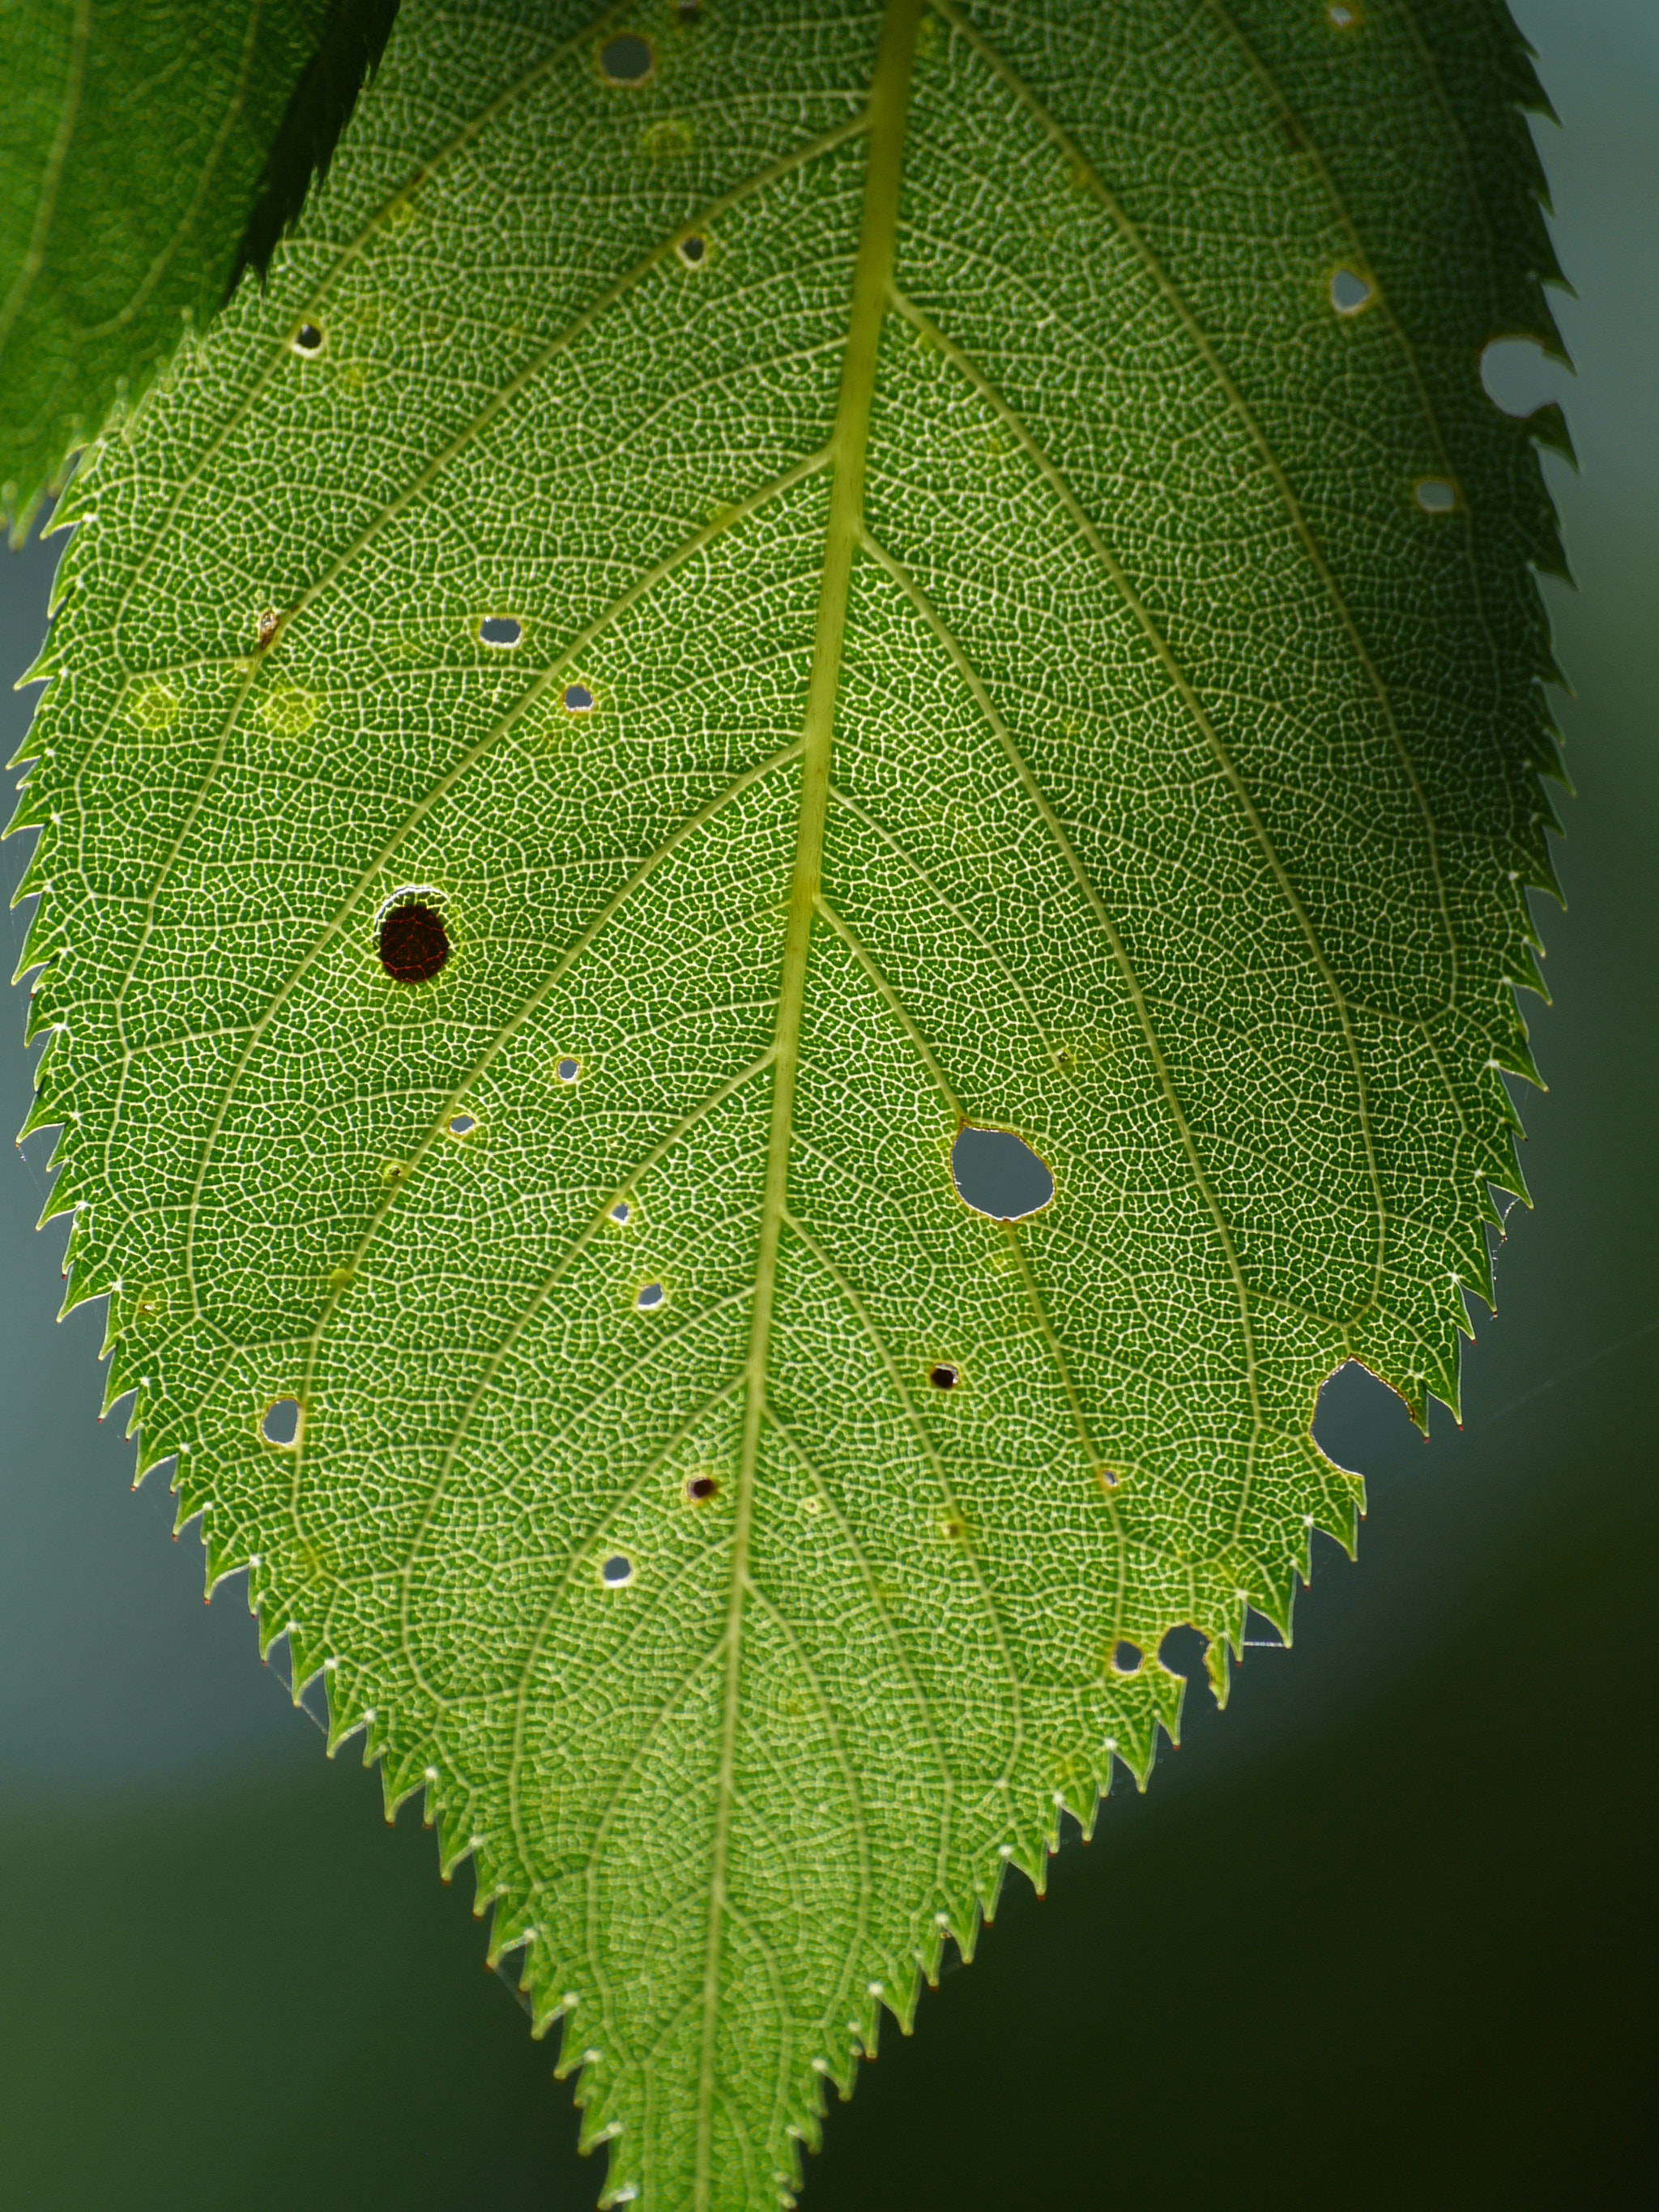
point(985, 638)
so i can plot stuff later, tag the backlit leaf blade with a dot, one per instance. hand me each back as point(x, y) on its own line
point(987, 635)
point(148, 154)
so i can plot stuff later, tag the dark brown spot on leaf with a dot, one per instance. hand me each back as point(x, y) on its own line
point(414, 943)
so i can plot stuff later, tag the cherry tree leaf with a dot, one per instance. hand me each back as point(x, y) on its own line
point(779, 607)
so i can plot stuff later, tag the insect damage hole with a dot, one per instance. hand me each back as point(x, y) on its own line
point(1349, 292)
point(997, 1173)
point(1126, 1659)
point(649, 1297)
point(567, 1070)
point(622, 1212)
point(279, 1424)
point(700, 1488)
point(626, 60)
point(413, 944)
point(1435, 494)
point(461, 1125)
point(308, 340)
point(503, 631)
point(943, 1377)
point(692, 251)
point(616, 1570)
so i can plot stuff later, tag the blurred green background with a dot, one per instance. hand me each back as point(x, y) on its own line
point(1382, 1935)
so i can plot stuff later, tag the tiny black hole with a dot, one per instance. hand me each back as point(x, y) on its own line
point(702, 1486)
point(617, 1570)
point(1126, 1659)
point(692, 250)
point(414, 943)
point(626, 60)
point(308, 338)
point(943, 1377)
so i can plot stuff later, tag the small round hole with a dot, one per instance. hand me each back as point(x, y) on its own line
point(1340, 18)
point(578, 699)
point(943, 1377)
point(414, 943)
point(461, 1125)
point(280, 1423)
point(568, 1069)
point(1349, 292)
point(308, 340)
point(1126, 1659)
point(692, 251)
point(622, 1212)
point(701, 1487)
point(503, 631)
point(650, 1298)
point(616, 1569)
point(1435, 494)
point(626, 60)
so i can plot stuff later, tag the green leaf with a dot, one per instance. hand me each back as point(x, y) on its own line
point(150, 154)
point(988, 631)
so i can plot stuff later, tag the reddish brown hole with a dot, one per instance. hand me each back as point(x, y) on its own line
point(413, 944)
point(702, 1486)
point(944, 1378)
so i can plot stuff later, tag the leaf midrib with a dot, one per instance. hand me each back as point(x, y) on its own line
point(872, 269)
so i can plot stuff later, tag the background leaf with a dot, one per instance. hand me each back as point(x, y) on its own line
point(992, 955)
point(148, 155)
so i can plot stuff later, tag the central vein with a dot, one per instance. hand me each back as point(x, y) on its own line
point(889, 96)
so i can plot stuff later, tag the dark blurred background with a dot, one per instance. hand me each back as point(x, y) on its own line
point(1380, 1936)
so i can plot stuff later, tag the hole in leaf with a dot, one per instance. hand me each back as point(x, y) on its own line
point(280, 1424)
point(1435, 494)
point(308, 340)
point(578, 699)
point(943, 1377)
point(1349, 292)
point(1520, 377)
point(567, 1070)
point(621, 1211)
point(626, 60)
point(701, 1487)
point(616, 1569)
point(650, 1298)
point(503, 630)
point(1126, 1659)
point(692, 251)
point(461, 1125)
point(997, 1173)
point(414, 943)
point(1342, 18)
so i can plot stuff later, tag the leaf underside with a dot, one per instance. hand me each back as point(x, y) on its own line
point(147, 152)
point(1049, 670)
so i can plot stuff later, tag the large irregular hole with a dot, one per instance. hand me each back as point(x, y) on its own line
point(1349, 292)
point(997, 1173)
point(280, 1424)
point(1520, 377)
point(626, 60)
point(414, 943)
